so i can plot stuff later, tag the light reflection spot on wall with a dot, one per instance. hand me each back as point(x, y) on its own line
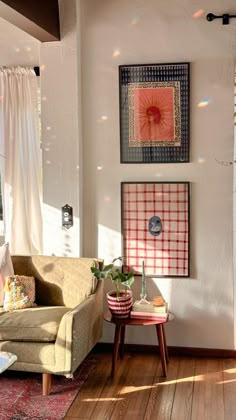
point(99, 167)
point(198, 13)
point(135, 20)
point(203, 103)
point(116, 52)
point(102, 119)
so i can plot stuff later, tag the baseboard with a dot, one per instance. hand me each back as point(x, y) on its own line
point(173, 351)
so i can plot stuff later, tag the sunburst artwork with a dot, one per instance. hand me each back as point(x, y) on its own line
point(154, 114)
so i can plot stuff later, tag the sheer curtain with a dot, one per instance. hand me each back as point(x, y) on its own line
point(20, 160)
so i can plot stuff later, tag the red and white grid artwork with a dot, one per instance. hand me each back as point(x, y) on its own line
point(168, 253)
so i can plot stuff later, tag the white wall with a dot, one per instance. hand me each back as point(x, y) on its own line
point(144, 31)
point(153, 32)
point(16, 47)
point(62, 175)
point(234, 205)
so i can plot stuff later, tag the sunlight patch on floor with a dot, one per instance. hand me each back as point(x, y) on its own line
point(230, 370)
point(101, 399)
point(226, 382)
point(129, 389)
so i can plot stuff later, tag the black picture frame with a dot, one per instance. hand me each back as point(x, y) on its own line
point(166, 249)
point(154, 113)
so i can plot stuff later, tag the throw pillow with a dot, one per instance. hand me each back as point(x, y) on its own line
point(19, 292)
point(6, 268)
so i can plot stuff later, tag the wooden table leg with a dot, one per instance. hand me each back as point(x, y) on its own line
point(165, 345)
point(115, 349)
point(122, 342)
point(47, 383)
point(162, 348)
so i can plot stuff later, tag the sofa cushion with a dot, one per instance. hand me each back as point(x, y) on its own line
point(59, 280)
point(19, 292)
point(31, 324)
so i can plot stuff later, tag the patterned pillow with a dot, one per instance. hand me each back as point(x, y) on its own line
point(6, 268)
point(19, 292)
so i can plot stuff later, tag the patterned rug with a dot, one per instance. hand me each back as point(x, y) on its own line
point(21, 394)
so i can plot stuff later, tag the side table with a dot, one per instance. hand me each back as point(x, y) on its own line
point(119, 337)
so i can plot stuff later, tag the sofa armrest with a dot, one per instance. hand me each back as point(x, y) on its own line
point(79, 331)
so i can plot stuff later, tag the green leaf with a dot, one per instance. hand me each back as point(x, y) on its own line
point(123, 277)
point(96, 272)
point(108, 267)
point(129, 281)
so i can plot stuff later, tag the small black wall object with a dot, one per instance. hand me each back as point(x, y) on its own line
point(37, 70)
point(225, 17)
point(67, 216)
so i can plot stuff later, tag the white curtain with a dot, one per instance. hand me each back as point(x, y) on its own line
point(20, 160)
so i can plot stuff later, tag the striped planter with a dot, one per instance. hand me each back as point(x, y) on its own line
point(120, 307)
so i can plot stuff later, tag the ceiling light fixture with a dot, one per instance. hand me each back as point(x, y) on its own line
point(225, 18)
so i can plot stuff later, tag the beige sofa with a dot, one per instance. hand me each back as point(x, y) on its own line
point(55, 336)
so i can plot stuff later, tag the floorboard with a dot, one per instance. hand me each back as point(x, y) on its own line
point(182, 403)
point(229, 387)
point(162, 394)
point(208, 398)
point(195, 389)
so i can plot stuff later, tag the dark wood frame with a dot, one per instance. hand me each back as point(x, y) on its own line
point(122, 224)
point(155, 73)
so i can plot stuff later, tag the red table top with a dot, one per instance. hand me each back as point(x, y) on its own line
point(132, 321)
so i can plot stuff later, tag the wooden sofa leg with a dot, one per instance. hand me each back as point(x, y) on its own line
point(47, 382)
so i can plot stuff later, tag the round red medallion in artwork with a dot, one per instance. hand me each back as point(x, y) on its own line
point(153, 113)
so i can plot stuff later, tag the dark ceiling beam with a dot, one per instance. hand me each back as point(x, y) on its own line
point(38, 18)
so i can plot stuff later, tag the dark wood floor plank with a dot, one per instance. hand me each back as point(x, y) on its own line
point(162, 394)
point(134, 395)
point(87, 399)
point(208, 398)
point(111, 391)
point(184, 390)
point(229, 385)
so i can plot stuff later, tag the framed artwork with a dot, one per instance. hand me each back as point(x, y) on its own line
point(154, 113)
point(155, 228)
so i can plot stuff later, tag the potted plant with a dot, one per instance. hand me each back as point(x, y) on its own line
point(119, 300)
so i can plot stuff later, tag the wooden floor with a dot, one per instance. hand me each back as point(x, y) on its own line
point(196, 389)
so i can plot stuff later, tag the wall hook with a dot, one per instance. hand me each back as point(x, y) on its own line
point(225, 18)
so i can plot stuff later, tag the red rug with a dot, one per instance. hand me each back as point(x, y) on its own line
point(21, 394)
